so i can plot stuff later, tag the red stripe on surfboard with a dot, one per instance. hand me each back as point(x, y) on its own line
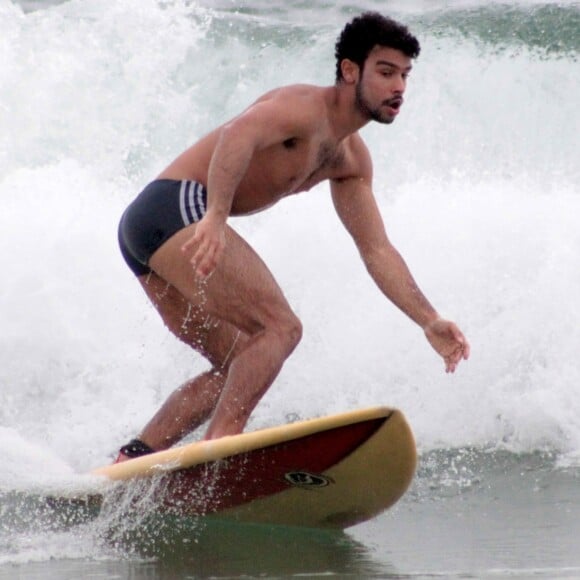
point(227, 483)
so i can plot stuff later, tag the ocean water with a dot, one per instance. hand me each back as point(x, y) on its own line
point(478, 181)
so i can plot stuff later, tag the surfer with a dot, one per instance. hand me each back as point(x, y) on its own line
point(210, 287)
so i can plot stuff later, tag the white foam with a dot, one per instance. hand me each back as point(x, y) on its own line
point(477, 182)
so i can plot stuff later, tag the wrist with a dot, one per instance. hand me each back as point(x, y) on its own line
point(216, 216)
point(429, 320)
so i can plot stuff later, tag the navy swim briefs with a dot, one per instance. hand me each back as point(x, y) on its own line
point(163, 208)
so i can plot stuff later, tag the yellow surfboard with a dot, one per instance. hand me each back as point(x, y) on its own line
point(329, 472)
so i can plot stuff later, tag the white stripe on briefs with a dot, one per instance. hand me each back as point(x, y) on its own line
point(182, 202)
point(191, 202)
point(196, 203)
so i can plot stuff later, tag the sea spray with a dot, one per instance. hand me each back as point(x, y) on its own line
point(477, 183)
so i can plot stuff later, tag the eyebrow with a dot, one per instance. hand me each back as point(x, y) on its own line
point(392, 64)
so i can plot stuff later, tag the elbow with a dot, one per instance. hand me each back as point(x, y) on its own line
point(381, 260)
point(372, 258)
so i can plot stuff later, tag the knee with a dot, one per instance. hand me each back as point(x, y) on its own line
point(295, 331)
point(289, 328)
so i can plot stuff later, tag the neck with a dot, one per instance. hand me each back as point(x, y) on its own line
point(345, 116)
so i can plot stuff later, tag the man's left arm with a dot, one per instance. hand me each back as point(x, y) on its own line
point(356, 206)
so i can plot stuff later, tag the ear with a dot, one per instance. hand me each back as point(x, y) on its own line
point(350, 71)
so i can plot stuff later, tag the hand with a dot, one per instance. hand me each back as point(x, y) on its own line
point(446, 338)
point(209, 240)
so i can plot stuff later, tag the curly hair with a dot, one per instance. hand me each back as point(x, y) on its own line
point(368, 30)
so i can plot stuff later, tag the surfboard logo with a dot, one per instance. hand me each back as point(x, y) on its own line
point(306, 479)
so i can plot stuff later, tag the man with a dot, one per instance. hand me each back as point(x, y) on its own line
point(210, 288)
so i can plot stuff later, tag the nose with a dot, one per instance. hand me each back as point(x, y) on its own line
point(400, 84)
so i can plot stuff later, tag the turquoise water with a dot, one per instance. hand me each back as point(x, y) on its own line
point(478, 183)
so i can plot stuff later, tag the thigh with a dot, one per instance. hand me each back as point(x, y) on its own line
point(217, 340)
point(241, 290)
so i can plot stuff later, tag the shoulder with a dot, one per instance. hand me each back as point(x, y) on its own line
point(357, 161)
point(292, 112)
point(297, 93)
point(302, 104)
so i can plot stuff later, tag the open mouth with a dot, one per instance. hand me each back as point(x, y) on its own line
point(395, 103)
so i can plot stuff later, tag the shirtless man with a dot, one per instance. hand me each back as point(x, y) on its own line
point(210, 288)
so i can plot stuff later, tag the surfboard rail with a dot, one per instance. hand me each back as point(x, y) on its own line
point(192, 454)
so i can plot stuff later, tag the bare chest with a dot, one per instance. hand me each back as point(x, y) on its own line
point(295, 166)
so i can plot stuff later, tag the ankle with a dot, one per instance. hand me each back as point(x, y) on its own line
point(136, 448)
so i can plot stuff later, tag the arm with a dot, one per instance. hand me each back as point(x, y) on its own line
point(264, 124)
point(356, 207)
point(358, 211)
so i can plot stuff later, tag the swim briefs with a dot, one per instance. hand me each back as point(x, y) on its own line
point(163, 208)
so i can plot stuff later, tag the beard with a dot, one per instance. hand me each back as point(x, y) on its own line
point(370, 112)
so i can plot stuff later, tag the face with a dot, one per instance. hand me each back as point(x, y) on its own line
point(381, 84)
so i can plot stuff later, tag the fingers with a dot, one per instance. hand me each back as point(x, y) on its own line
point(462, 351)
point(463, 344)
point(205, 260)
point(208, 244)
point(190, 243)
point(451, 344)
point(466, 349)
point(452, 360)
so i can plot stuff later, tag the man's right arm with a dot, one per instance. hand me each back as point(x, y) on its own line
point(229, 163)
point(263, 124)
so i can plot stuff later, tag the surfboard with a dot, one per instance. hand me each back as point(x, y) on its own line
point(328, 472)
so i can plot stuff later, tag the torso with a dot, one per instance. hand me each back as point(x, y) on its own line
point(294, 165)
